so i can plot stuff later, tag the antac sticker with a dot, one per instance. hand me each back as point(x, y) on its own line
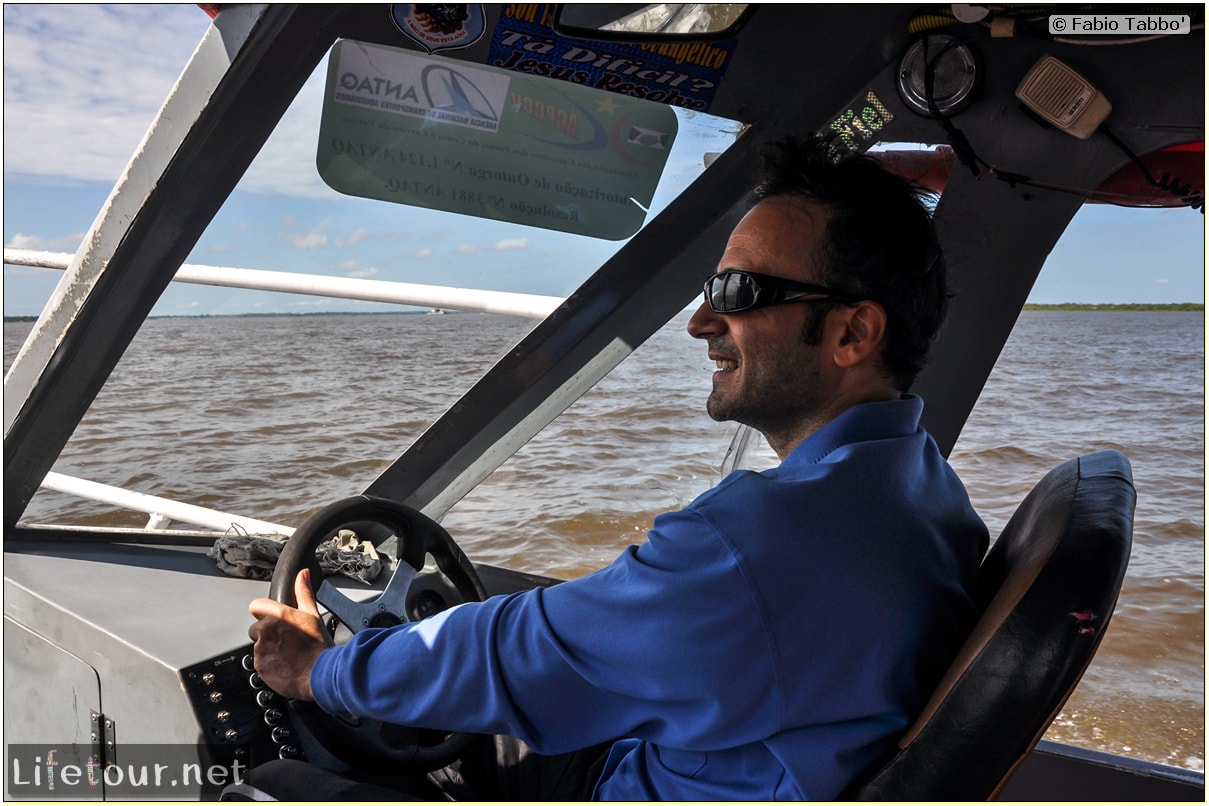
point(440, 26)
point(684, 74)
point(448, 135)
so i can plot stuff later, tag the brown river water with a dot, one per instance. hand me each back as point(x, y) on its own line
point(272, 417)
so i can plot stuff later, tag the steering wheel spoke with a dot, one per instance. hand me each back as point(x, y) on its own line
point(384, 610)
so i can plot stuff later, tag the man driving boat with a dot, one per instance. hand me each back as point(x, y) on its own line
point(774, 637)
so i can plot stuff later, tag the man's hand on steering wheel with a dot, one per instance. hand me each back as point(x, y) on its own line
point(288, 640)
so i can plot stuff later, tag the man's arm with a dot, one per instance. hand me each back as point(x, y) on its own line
point(654, 646)
point(288, 640)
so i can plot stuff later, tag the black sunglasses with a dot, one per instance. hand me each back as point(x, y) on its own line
point(734, 290)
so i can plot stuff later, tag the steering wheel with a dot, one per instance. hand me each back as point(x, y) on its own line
point(365, 742)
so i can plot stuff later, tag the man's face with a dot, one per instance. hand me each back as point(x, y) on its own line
point(767, 376)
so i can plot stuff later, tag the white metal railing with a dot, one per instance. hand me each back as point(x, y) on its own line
point(533, 306)
point(161, 510)
point(164, 511)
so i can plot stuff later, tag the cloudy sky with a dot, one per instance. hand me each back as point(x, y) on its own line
point(82, 82)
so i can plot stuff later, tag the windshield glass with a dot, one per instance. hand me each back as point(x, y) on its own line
point(231, 399)
point(1089, 366)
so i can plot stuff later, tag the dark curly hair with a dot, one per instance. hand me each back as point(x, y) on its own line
point(882, 242)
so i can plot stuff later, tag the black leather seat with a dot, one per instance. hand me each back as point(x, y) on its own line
point(1047, 588)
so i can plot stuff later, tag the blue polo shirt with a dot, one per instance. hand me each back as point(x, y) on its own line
point(767, 642)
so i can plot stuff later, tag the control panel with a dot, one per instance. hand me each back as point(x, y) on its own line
point(240, 717)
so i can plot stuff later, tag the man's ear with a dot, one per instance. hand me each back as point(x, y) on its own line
point(864, 329)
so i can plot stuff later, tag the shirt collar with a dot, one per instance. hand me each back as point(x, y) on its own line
point(885, 419)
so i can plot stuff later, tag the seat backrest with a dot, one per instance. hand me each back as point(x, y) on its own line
point(1047, 589)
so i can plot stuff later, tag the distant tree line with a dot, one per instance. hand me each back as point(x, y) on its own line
point(1129, 306)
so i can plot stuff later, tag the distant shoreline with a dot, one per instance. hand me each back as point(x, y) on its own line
point(1128, 306)
point(1065, 306)
point(257, 315)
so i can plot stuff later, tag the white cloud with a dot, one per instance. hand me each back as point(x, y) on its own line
point(510, 244)
point(466, 249)
point(65, 243)
point(286, 164)
point(20, 241)
point(309, 240)
point(356, 237)
point(82, 82)
point(352, 268)
point(422, 254)
point(1163, 281)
